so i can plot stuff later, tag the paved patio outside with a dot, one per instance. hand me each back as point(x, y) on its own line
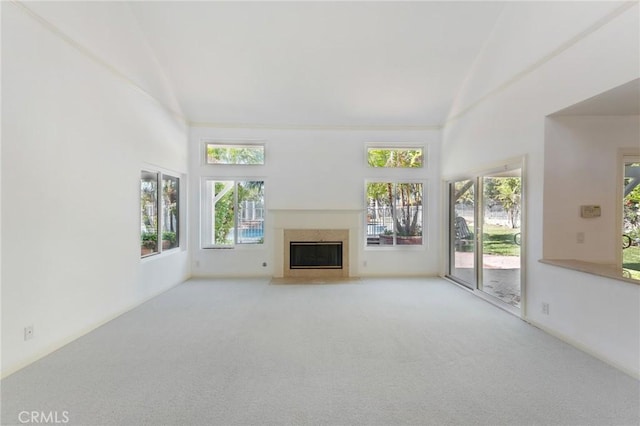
point(501, 275)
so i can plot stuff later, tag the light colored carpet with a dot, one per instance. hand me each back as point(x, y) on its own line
point(373, 352)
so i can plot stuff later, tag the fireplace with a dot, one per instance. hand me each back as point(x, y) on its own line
point(315, 255)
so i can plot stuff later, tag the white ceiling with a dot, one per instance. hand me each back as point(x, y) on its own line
point(317, 63)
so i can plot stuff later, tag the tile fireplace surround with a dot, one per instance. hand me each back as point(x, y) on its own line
point(315, 225)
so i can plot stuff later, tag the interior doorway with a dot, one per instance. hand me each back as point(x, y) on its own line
point(486, 234)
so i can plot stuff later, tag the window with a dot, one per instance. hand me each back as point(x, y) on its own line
point(631, 217)
point(149, 213)
point(170, 196)
point(394, 213)
point(238, 154)
point(233, 213)
point(159, 212)
point(395, 157)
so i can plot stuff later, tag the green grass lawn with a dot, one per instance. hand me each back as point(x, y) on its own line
point(498, 240)
point(631, 261)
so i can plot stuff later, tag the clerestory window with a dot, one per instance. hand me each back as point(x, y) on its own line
point(395, 157)
point(234, 154)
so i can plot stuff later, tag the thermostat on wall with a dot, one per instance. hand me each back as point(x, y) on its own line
point(590, 211)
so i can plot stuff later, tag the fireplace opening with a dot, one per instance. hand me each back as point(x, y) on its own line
point(315, 255)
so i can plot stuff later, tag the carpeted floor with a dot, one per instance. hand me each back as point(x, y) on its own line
point(369, 352)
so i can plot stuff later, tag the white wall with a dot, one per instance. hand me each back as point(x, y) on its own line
point(570, 144)
point(316, 170)
point(509, 120)
point(76, 133)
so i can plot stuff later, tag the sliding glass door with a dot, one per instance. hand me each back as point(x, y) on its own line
point(485, 238)
point(462, 236)
point(501, 236)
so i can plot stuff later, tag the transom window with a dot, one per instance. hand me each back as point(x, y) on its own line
point(238, 154)
point(233, 213)
point(396, 157)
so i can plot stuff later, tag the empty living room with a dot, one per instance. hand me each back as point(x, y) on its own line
point(320, 213)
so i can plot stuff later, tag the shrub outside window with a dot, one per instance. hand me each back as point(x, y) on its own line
point(394, 213)
point(395, 157)
point(159, 212)
point(238, 154)
point(233, 213)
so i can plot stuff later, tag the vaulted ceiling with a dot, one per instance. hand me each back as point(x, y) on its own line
point(317, 63)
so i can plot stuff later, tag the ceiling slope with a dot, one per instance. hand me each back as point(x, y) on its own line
point(320, 64)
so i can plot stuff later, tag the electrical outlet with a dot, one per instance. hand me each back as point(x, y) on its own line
point(545, 308)
point(197, 263)
point(364, 263)
point(28, 332)
point(580, 237)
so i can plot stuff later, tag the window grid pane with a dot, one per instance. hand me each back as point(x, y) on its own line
point(148, 213)
point(250, 220)
point(223, 212)
point(170, 212)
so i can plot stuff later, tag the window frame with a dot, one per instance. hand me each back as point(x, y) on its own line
point(160, 209)
point(244, 143)
point(206, 208)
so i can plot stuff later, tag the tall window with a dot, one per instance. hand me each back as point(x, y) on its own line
point(159, 212)
point(233, 213)
point(394, 213)
point(238, 154)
